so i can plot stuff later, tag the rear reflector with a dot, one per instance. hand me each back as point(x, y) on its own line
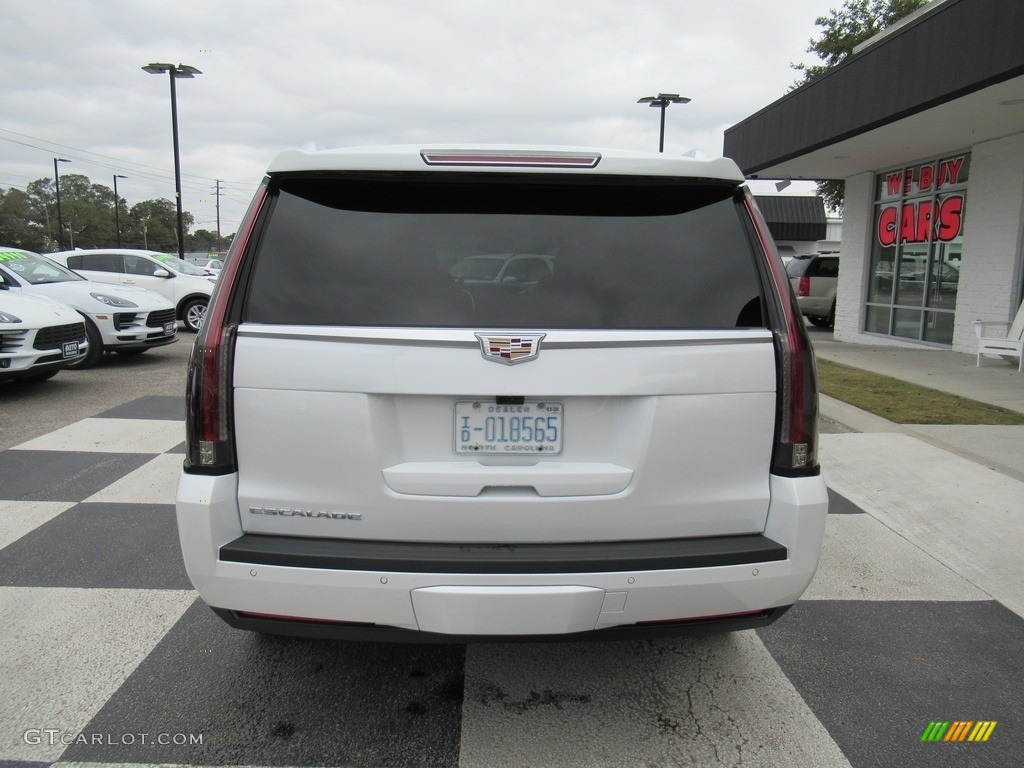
point(511, 158)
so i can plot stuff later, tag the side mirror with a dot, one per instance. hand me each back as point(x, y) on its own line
point(161, 273)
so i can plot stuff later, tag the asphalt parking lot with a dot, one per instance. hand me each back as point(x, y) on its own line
point(107, 656)
point(33, 410)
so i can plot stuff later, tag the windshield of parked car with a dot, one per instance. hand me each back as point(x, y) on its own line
point(34, 269)
point(179, 265)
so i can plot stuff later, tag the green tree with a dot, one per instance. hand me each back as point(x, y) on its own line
point(153, 224)
point(20, 224)
point(29, 219)
point(206, 240)
point(843, 30)
point(87, 211)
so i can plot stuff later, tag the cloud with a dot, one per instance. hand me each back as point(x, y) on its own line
point(356, 72)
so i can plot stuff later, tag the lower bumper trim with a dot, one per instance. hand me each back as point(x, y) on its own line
point(361, 632)
point(511, 558)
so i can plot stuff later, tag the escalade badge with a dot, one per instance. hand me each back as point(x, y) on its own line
point(512, 348)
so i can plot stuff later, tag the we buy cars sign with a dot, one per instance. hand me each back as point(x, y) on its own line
point(935, 218)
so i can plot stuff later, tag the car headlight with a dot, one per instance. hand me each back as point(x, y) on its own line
point(113, 301)
point(7, 317)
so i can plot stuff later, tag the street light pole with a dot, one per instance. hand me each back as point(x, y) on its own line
point(662, 100)
point(56, 187)
point(117, 206)
point(174, 72)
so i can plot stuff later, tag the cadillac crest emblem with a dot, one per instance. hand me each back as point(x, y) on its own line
point(510, 348)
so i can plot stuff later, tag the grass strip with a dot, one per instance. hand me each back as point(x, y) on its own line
point(905, 403)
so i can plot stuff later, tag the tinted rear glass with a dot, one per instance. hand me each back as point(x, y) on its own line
point(797, 267)
point(405, 250)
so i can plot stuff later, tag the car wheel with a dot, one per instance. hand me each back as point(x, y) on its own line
point(832, 316)
point(193, 314)
point(820, 322)
point(95, 348)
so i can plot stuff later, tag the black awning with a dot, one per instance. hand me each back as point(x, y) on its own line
point(793, 217)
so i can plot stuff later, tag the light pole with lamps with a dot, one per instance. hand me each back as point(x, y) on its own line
point(56, 188)
point(181, 70)
point(117, 206)
point(662, 100)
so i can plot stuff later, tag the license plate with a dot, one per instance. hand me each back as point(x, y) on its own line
point(70, 348)
point(170, 327)
point(485, 427)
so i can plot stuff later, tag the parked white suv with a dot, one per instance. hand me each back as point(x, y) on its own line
point(185, 285)
point(815, 280)
point(626, 446)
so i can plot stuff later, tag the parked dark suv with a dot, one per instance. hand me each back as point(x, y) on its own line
point(621, 442)
point(815, 279)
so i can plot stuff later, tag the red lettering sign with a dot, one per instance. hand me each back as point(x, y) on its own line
point(951, 217)
point(926, 177)
point(887, 218)
point(914, 222)
point(893, 182)
point(949, 171)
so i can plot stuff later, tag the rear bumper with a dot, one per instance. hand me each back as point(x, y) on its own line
point(377, 590)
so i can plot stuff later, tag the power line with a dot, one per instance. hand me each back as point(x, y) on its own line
point(121, 161)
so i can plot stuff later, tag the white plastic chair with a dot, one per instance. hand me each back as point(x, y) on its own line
point(1009, 343)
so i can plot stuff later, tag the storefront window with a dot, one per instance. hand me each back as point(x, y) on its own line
point(915, 259)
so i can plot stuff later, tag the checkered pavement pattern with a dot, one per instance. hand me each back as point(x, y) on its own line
point(108, 657)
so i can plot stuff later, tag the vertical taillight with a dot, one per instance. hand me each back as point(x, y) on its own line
point(796, 426)
point(209, 425)
point(803, 287)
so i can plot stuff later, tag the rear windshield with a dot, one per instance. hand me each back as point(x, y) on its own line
point(509, 251)
point(813, 267)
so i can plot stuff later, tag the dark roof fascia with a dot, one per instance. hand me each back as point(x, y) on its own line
point(955, 48)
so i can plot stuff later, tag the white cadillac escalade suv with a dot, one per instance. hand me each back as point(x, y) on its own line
point(624, 446)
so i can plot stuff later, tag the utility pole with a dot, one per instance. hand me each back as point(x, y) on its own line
point(117, 208)
point(218, 213)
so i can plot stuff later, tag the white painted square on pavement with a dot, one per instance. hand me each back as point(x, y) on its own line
point(155, 482)
point(44, 683)
point(20, 517)
point(111, 436)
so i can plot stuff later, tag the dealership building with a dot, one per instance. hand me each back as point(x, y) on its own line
point(925, 123)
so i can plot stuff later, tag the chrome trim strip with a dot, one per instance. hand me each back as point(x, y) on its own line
point(473, 343)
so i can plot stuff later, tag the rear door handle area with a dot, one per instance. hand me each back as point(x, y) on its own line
point(458, 478)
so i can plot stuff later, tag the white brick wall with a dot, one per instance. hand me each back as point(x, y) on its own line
point(990, 278)
point(854, 251)
point(992, 268)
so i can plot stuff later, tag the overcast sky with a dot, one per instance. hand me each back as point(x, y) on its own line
point(355, 72)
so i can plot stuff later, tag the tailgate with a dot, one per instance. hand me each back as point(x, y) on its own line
point(353, 433)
